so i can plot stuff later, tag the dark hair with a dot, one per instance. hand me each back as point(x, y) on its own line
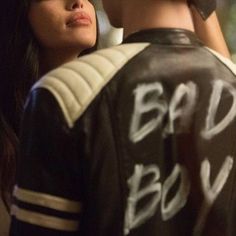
point(19, 69)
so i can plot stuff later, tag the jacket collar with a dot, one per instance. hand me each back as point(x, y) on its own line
point(166, 36)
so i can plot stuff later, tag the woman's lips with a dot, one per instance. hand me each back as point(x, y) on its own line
point(79, 19)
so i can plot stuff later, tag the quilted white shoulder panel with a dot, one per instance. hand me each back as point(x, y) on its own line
point(76, 84)
point(224, 60)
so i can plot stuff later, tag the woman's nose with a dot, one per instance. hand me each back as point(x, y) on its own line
point(74, 4)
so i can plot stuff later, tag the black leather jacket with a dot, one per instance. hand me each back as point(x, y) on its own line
point(134, 140)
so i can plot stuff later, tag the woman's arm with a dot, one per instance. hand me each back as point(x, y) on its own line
point(210, 33)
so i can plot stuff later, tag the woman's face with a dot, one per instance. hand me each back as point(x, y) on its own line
point(64, 24)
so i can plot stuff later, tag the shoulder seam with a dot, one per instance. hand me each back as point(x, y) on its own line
point(227, 62)
point(75, 84)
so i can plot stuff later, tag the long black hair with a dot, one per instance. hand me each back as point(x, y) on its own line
point(19, 70)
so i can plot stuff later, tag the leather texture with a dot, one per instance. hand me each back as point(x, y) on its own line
point(77, 87)
point(151, 153)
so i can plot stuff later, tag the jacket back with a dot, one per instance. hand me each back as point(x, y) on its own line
point(151, 151)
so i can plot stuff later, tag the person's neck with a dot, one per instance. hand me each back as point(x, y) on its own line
point(140, 15)
point(51, 59)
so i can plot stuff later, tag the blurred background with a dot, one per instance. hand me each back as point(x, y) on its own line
point(226, 12)
point(227, 16)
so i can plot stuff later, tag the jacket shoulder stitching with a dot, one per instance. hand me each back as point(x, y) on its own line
point(227, 62)
point(77, 83)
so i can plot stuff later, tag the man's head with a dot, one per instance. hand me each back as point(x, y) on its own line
point(136, 15)
point(115, 8)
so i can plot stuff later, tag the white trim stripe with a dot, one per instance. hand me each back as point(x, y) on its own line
point(45, 221)
point(46, 200)
point(75, 84)
point(230, 64)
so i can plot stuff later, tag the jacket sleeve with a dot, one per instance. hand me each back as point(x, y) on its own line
point(47, 200)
